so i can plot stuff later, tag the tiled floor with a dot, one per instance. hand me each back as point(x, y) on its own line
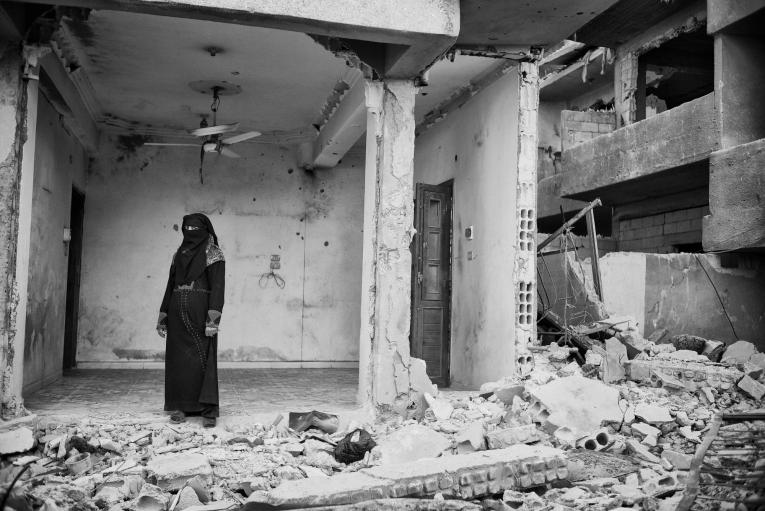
point(124, 393)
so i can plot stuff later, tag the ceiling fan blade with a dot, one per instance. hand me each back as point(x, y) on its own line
point(225, 151)
point(241, 137)
point(170, 144)
point(215, 130)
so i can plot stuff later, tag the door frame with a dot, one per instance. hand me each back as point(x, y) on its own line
point(73, 278)
point(416, 251)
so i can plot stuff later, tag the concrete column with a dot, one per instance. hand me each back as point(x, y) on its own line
point(525, 267)
point(18, 119)
point(626, 88)
point(384, 365)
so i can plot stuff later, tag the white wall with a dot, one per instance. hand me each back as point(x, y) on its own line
point(477, 147)
point(60, 162)
point(261, 204)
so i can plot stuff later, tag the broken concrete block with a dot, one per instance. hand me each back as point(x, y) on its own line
point(411, 443)
point(171, 471)
point(151, 498)
point(471, 438)
point(641, 451)
point(752, 387)
point(186, 498)
point(442, 408)
point(689, 434)
point(652, 414)
point(108, 496)
point(585, 465)
point(581, 404)
point(752, 370)
point(646, 429)
point(592, 358)
point(597, 441)
point(713, 350)
point(504, 438)
point(758, 359)
point(466, 476)
point(679, 460)
point(16, 440)
point(694, 375)
point(508, 392)
point(565, 436)
point(418, 377)
point(616, 356)
point(738, 352)
point(682, 419)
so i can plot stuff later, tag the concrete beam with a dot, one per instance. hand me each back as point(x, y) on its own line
point(81, 123)
point(723, 13)
point(385, 367)
point(343, 129)
point(736, 199)
point(417, 32)
point(678, 137)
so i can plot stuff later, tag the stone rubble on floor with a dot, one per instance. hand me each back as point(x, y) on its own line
point(552, 440)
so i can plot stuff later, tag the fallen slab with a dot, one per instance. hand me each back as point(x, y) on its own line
point(464, 476)
point(581, 404)
point(171, 471)
point(16, 440)
point(411, 443)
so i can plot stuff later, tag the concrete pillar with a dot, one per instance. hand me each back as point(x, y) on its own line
point(18, 119)
point(525, 265)
point(384, 365)
point(626, 88)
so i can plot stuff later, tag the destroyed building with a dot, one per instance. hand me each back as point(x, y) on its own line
point(396, 201)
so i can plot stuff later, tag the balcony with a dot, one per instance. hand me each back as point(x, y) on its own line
point(664, 154)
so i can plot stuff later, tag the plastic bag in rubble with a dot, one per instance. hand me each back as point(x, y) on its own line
point(354, 446)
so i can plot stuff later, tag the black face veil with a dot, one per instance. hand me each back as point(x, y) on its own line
point(191, 257)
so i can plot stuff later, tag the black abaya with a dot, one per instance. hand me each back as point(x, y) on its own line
point(191, 357)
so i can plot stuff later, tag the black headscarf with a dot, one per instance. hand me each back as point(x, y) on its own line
point(191, 257)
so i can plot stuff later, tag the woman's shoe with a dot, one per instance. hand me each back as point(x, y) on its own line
point(208, 422)
point(178, 417)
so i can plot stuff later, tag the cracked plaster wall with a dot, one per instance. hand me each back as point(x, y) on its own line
point(672, 291)
point(60, 162)
point(477, 146)
point(261, 205)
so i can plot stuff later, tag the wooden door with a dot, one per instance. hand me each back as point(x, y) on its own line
point(73, 279)
point(431, 279)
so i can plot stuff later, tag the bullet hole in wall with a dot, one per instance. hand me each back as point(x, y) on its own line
point(321, 191)
point(297, 234)
point(254, 199)
point(326, 243)
point(290, 171)
point(455, 157)
point(175, 227)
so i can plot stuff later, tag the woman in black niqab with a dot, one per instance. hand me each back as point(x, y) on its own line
point(189, 317)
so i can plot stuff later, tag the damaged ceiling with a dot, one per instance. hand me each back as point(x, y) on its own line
point(141, 65)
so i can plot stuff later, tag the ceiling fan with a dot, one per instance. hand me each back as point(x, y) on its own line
point(213, 141)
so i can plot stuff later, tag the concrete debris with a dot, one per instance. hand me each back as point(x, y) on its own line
point(171, 471)
point(617, 432)
point(578, 403)
point(16, 440)
point(410, 443)
point(442, 408)
point(738, 352)
point(652, 414)
point(752, 387)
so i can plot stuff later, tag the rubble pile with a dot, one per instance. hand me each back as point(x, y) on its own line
point(613, 425)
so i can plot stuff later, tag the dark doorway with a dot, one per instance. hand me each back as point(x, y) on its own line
point(432, 279)
point(73, 279)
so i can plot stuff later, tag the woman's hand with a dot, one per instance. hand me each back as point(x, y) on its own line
point(162, 325)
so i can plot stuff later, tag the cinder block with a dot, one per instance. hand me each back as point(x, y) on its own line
point(670, 228)
point(684, 226)
point(652, 231)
